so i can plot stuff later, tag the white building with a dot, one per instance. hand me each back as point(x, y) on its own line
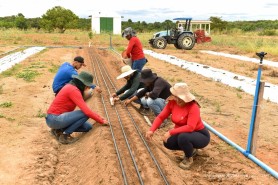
point(106, 22)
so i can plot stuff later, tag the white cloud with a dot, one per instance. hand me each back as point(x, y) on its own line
point(150, 10)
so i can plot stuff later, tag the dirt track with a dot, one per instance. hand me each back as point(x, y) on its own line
point(29, 155)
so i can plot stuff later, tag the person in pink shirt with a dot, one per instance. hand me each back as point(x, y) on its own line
point(134, 49)
point(189, 132)
point(62, 117)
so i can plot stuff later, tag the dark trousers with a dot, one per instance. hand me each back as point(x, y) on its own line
point(187, 141)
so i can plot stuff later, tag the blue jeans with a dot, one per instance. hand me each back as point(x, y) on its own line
point(138, 64)
point(156, 105)
point(69, 122)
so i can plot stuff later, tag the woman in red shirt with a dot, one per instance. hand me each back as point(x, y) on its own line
point(134, 49)
point(189, 133)
point(62, 117)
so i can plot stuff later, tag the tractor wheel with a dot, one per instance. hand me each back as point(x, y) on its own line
point(153, 46)
point(177, 46)
point(160, 43)
point(186, 41)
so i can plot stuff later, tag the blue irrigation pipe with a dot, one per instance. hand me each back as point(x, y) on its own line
point(247, 154)
point(254, 110)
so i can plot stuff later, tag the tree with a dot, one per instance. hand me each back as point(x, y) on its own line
point(58, 18)
point(218, 23)
point(21, 22)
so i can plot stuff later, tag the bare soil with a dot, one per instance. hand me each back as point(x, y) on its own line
point(30, 155)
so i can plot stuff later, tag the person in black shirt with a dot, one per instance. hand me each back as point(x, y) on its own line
point(155, 93)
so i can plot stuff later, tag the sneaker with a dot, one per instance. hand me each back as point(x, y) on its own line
point(144, 111)
point(56, 133)
point(67, 139)
point(195, 152)
point(200, 152)
point(186, 163)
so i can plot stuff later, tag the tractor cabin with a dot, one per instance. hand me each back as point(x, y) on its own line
point(200, 28)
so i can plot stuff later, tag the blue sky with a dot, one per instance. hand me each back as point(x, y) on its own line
point(150, 10)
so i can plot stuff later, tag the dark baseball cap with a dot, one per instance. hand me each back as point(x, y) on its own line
point(79, 59)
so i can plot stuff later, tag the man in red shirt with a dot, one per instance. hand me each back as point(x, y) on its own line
point(134, 49)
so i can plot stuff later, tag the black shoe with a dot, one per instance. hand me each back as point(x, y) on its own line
point(144, 111)
point(56, 133)
point(67, 139)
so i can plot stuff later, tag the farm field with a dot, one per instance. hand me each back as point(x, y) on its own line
point(30, 155)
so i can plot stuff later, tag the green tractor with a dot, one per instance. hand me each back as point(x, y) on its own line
point(182, 36)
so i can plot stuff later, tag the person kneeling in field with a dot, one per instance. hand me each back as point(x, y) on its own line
point(65, 72)
point(62, 117)
point(154, 95)
point(189, 133)
point(132, 85)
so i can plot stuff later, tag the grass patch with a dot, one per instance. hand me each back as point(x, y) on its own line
point(273, 73)
point(7, 118)
point(1, 89)
point(6, 104)
point(54, 68)
point(28, 75)
point(239, 95)
point(217, 106)
point(40, 114)
point(12, 71)
point(239, 89)
point(37, 65)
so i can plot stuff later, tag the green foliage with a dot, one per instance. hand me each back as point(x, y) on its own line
point(62, 19)
point(28, 75)
point(84, 24)
point(21, 22)
point(1, 89)
point(40, 114)
point(268, 33)
point(54, 68)
point(260, 25)
point(218, 23)
point(6, 104)
point(90, 34)
point(58, 18)
point(11, 71)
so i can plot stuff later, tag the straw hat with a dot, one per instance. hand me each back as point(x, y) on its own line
point(126, 70)
point(181, 90)
point(85, 77)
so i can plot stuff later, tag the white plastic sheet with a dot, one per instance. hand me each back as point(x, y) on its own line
point(234, 80)
point(12, 59)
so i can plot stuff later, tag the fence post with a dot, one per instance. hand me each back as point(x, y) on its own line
point(255, 104)
point(257, 119)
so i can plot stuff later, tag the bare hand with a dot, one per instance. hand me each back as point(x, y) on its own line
point(147, 95)
point(98, 89)
point(166, 137)
point(127, 102)
point(116, 99)
point(114, 95)
point(105, 122)
point(149, 135)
